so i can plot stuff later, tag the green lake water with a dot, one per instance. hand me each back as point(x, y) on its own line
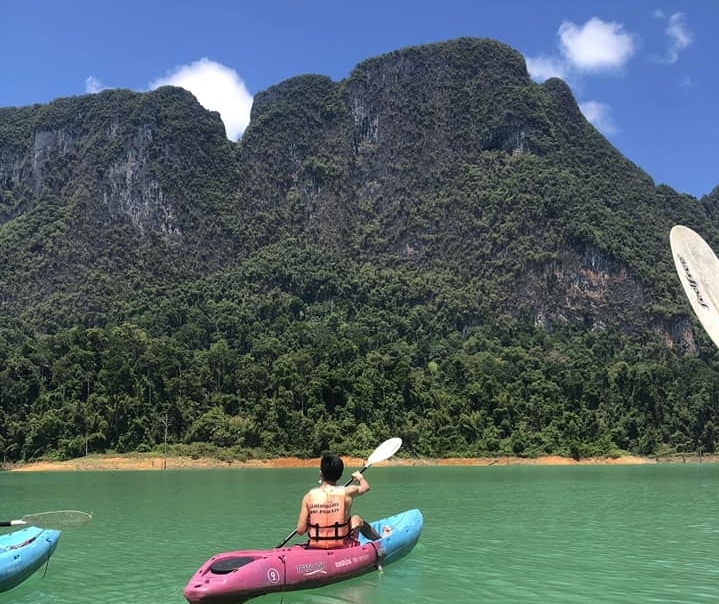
point(500, 534)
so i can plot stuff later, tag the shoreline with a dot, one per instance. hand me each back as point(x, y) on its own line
point(158, 462)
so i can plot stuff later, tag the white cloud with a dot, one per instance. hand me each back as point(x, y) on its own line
point(593, 47)
point(93, 85)
point(597, 45)
point(543, 68)
point(599, 115)
point(217, 88)
point(679, 36)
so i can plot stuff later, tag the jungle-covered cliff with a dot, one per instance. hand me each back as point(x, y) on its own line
point(435, 247)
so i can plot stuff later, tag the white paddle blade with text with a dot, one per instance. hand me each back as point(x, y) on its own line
point(386, 450)
point(698, 270)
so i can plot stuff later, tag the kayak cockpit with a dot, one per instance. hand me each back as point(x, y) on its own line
point(228, 565)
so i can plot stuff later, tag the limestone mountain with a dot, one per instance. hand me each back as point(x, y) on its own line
point(371, 239)
point(102, 195)
point(444, 156)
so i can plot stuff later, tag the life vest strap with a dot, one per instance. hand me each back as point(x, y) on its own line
point(336, 526)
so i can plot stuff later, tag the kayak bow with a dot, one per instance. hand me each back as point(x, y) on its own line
point(23, 552)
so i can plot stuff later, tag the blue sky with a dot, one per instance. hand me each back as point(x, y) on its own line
point(642, 71)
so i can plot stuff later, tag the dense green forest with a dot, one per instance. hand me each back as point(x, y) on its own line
point(311, 357)
point(435, 248)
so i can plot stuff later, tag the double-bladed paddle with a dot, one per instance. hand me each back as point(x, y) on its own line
point(386, 450)
point(52, 520)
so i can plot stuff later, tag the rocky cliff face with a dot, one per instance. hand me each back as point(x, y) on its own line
point(442, 157)
point(102, 192)
point(124, 148)
point(448, 155)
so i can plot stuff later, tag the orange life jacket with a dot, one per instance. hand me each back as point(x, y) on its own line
point(329, 524)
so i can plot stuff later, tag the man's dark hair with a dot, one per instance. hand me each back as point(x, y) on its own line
point(332, 467)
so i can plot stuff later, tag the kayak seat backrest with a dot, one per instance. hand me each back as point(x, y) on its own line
point(228, 565)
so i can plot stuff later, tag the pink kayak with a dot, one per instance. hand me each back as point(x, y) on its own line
point(237, 576)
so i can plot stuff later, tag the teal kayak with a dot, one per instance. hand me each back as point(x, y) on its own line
point(23, 552)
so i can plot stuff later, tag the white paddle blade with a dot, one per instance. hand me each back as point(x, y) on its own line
point(386, 450)
point(698, 270)
point(56, 520)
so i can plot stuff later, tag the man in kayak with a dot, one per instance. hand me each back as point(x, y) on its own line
point(326, 515)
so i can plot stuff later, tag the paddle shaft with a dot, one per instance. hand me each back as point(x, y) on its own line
point(293, 533)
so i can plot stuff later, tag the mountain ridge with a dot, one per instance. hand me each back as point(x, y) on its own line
point(435, 244)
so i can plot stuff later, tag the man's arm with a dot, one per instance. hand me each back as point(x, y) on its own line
point(304, 517)
point(362, 486)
